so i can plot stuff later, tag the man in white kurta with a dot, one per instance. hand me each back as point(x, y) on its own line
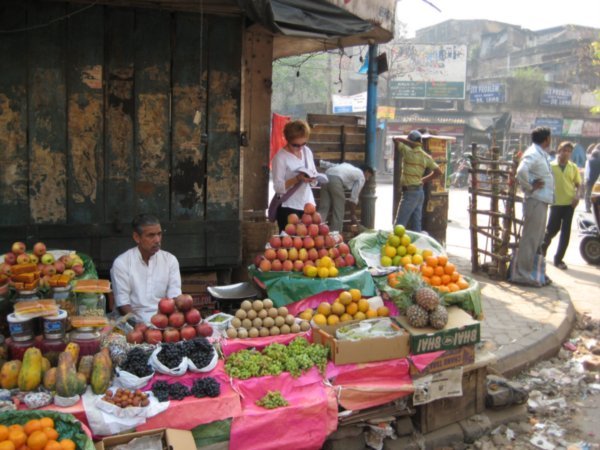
point(144, 274)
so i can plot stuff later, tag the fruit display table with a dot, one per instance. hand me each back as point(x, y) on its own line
point(288, 287)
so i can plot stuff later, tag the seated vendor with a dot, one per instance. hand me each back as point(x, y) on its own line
point(144, 274)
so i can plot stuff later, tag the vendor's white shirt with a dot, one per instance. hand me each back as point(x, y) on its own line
point(352, 178)
point(285, 166)
point(142, 285)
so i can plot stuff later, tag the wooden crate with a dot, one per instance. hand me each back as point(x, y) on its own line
point(439, 413)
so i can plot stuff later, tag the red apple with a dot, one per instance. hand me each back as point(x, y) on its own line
point(287, 265)
point(59, 266)
point(298, 266)
point(309, 263)
point(258, 259)
point(135, 337)
point(22, 258)
point(323, 229)
point(302, 254)
point(323, 252)
point(159, 320)
point(301, 230)
point(275, 241)
point(5, 269)
point(349, 260)
point(10, 258)
point(340, 262)
point(313, 254)
point(276, 266)
point(344, 249)
point(193, 317)
point(153, 336)
point(334, 253)
point(270, 254)
point(309, 208)
point(176, 320)
point(293, 219)
point(184, 302)
point(65, 259)
point(306, 219)
point(166, 306)
point(290, 229)
point(308, 242)
point(313, 230)
point(188, 333)
point(204, 329)
point(171, 335)
point(282, 254)
point(316, 218)
point(265, 265)
point(298, 242)
point(329, 241)
point(78, 269)
point(293, 254)
point(39, 248)
point(18, 248)
point(140, 326)
point(319, 242)
point(287, 242)
point(49, 269)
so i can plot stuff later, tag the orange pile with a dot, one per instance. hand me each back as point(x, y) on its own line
point(37, 434)
point(437, 272)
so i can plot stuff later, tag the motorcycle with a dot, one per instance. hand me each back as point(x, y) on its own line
point(460, 178)
point(590, 232)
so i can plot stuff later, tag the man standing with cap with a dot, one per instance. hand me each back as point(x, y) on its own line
point(414, 163)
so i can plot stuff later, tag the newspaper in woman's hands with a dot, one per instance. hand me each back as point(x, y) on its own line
point(321, 178)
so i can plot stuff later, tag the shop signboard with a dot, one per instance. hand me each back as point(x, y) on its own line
point(555, 124)
point(556, 97)
point(572, 127)
point(386, 112)
point(428, 71)
point(522, 122)
point(349, 103)
point(487, 93)
point(591, 128)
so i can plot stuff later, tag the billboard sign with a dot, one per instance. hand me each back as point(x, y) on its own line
point(572, 127)
point(487, 93)
point(428, 71)
point(349, 103)
point(556, 97)
point(555, 124)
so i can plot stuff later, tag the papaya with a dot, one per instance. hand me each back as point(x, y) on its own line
point(85, 367)
point(73, 349)
point(101, 372)
point(9, 374)
point(50, 379)
point(30, 375)
point(52, 357)
point(67, 383)
point(81, 383)
point(45, 365)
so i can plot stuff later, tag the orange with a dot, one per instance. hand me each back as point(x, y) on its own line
point(446, 279)
point(426, 280)
point(454, 276)
point(7, 445)
point(320, 319)
point(453, 287)
point(15, 427)
point(47, 422)
point(443, 289)
point(17, 437)
point(411, 268)
point(371, 314)
point(462, 284)
point(51, 433)
point(439, 271)
point(333, 319)
point(363, 305)
point(356, 294)
point(352, 308)
point(435, 280)
point(3, 433)
point(31, 426)
point(53, 445)
point(383, 311)
point(427, 271)
point(431, 261)
point(337, 308)
point(442, 260)
point(37, 440)
point(360, 316)
point(345, 298)
point(449, 268)
point(324, 308)
point(67, 444)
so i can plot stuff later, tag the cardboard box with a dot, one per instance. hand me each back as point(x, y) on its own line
point(460, 330)
point(172, 438)
point(456, 357)
point(364, 350)
point(196, 283)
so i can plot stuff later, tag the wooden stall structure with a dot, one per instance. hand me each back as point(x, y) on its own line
point(492, 205)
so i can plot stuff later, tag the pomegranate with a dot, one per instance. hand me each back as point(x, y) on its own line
point(193, 317)
point(184, 302)
point(188, 332)
point(153, 336)
point(159, 320)
point(176, 320)
point(171, 335)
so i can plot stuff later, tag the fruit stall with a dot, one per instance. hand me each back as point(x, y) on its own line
point(342, 328)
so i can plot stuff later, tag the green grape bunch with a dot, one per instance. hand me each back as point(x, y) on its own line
point(272, 400)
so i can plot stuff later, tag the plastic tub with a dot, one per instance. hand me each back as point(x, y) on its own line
point(20, 328)
point(54, 326)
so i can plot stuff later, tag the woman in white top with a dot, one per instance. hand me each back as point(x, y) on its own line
point(294, 156)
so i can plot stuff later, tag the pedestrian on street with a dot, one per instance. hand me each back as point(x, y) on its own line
point(534, 175)
point(341, 177)
point(414, 163)
point(591, 173)
point(567, 184)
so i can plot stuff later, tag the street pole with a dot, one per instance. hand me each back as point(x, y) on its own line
point(368, 197)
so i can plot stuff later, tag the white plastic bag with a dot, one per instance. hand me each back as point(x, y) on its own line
point(128, 380)
point(211, 365)
point(178, 371)
point(117, 411)
point(65, 402)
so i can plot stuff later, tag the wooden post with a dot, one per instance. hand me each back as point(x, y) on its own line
point(495, 181)
point(473, 210)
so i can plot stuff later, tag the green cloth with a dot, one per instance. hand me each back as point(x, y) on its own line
point(414, 163)
point(289, 287)
point(565, 182)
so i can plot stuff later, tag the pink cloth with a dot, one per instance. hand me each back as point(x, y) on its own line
point(277, 139)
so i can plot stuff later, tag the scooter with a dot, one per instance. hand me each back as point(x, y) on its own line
point(589, 229)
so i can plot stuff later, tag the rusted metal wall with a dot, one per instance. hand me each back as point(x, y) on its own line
point(111, 112)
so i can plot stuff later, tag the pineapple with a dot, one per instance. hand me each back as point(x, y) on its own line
point(407, 285)
point(427, 298)
point(417, 316)
point(438, 318)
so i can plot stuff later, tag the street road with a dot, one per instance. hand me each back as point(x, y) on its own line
point(581, 280)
